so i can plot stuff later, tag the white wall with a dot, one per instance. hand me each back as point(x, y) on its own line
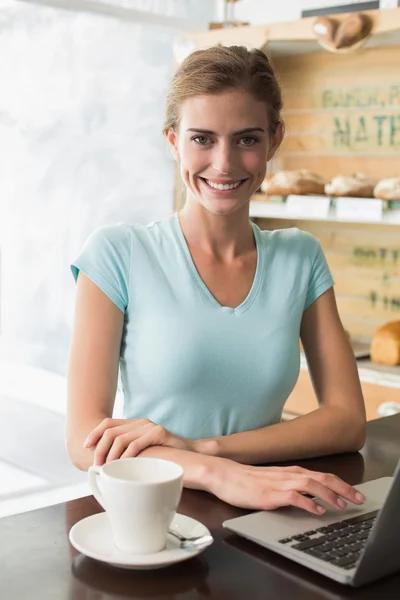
point(81, 112)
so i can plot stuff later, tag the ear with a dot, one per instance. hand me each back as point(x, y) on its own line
point(172, 138)
point(276, 140)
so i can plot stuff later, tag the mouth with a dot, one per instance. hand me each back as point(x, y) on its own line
point(220, 187)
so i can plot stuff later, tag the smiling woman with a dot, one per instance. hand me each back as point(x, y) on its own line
point(220, 166)
point(218, 155)
point(202, 313)
point(216, 161)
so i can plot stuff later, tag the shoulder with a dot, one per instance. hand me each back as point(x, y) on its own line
point(105, 258)
point(151, 238)
point(291, 241)
point(115, 235)
point(108, 248)
point(123, 233)
point(122, 240)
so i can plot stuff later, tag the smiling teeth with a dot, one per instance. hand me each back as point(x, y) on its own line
point(221, 186)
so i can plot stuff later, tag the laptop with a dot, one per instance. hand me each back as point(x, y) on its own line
point(355, 546)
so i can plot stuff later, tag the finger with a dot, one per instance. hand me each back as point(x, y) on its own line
point(104, 445)
point(120, 444)
point(98, 431)
point(293, 498)
point(107, 440)
point(147, 432)
point(137, 446)
point(114, 432)
point(308, 485)
point(109, 423)
point(340, 487)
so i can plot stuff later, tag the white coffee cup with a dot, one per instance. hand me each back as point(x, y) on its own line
point(140, 496)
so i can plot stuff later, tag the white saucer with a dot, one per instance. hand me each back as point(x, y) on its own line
point(92, 536)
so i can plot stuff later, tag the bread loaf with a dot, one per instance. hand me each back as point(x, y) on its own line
point(385, 345)
point(353, 186)
point(388, 189)
point(300, 182)
point(352, 30)
point(325, 30)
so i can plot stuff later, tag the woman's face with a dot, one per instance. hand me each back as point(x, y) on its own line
point(222, 147)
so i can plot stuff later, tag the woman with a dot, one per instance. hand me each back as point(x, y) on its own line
point(203, 312)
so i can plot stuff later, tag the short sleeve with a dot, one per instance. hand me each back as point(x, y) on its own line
point(320, 277)
point(105, 258)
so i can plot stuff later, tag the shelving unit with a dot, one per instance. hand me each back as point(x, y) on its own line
point(271, 210)
point(297, 37)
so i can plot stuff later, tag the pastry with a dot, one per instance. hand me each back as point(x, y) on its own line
point(353, 186)
point(325, 29)
point(388, 189)
point(352, 30)
point(385, 345)
point(300, 182)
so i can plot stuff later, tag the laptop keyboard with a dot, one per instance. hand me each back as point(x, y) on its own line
point(339, 544)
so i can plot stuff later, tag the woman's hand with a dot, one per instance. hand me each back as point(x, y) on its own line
point(268, 488)
point(122, 438)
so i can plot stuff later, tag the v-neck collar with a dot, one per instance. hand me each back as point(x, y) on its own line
point(196, 276)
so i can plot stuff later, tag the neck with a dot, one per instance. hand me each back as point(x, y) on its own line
point(223, 236)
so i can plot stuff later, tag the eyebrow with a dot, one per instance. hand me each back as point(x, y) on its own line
point(241, 132)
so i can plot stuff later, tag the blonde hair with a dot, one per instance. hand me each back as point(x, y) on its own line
point(221, 68)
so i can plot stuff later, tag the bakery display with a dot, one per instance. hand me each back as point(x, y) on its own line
point(340, 125)
point(302, 182)
point(358, 185)
point(385, 345)
point(388, 189)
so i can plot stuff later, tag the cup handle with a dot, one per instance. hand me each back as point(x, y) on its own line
point(94, 472)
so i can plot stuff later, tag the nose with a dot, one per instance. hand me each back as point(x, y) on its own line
point(223, 159)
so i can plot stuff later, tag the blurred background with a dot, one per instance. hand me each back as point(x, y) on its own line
point(83, 86)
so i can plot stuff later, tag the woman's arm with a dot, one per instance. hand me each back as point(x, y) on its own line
point(93, 367)
point(338, 425)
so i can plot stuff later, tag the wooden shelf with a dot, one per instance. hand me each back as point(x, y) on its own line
point(297, 37)
point(279, 48)
point(273, 210)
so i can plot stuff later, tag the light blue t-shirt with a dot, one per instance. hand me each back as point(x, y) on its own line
point(186, 362)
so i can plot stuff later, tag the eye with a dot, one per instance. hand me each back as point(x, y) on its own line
point(202, 140)
point(249, 141)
